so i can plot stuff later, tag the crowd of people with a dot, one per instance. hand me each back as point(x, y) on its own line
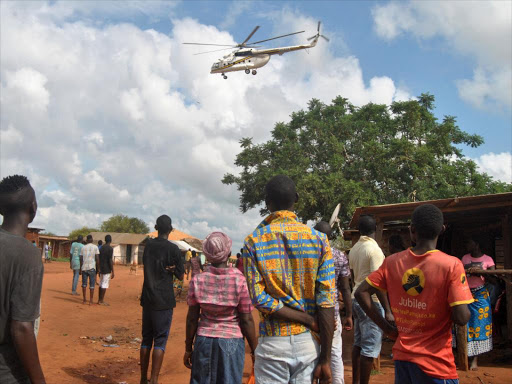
point(290, 274)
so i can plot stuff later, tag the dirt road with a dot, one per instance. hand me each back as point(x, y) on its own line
point(72, 350)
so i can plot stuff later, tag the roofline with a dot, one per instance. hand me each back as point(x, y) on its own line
point(445, 205)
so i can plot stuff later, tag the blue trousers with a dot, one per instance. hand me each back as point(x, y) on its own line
point(217, 361)
point(76, 275)
point(409, 373)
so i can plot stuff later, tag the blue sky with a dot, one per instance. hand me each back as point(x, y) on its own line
point(106, 111)
point(419, 65)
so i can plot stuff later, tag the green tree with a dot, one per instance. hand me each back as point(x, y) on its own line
point(124, 224)
point(374, 154)
point(84, 231)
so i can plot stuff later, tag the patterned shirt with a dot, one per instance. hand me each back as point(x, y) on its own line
point(341, 269)
point(88, 253)
point(287, 263)
point(222, 294)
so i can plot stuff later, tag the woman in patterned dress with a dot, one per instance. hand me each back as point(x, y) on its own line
point(480, 323)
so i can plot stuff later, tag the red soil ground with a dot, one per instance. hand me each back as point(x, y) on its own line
point(68, 357)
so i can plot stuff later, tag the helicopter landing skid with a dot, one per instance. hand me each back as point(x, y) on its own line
point(224, 76)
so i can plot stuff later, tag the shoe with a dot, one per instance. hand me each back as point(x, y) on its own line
point(75, 293)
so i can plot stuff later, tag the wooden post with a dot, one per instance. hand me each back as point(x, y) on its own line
point(378, 233)
point(461, 334)
point(506, 231)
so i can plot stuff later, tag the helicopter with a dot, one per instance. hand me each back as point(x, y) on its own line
point(247, 57)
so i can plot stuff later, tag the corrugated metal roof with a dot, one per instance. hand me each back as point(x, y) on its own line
point(174, 235)
point(119, 238)
point(452, 206)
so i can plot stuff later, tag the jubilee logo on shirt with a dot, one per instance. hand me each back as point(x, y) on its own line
point(413, 281)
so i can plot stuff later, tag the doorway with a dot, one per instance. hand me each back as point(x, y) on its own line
point(128, 254)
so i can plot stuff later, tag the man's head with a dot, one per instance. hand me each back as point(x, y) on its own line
point(108, 239)
point(426, 223)
point(367, 225)
point(475, 243)
point(280, 194)
point(17, 198)
point(163, 224)
point(324, 227)
point(100, 242)
point(193, 253)
point(89, 239)
point(80, 239)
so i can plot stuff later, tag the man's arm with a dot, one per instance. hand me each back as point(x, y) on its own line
point(179, 271)
point(111, 262)
point(363, 296)
point(24, 341)
point(322, 372)
point(296, 316)
point(383, 299)
point(460, 314)
point(344, 287)
point(97, 259)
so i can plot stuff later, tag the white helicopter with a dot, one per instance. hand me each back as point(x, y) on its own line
point(247, 58)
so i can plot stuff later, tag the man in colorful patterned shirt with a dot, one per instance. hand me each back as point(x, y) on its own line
point(341, 277)
point(290, 275)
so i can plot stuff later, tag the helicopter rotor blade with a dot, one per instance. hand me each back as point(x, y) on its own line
point(311, 38)
point(215, 50)
point(318, 28)
point(250, 35)
point(325, 38)
point(277, 37)
point(217, 45)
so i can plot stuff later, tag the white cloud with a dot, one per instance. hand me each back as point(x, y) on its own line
point(480, 30)
point(108, 118)
point(497, 165)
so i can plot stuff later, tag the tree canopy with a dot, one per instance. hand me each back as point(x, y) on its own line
point(361, 156)
point(84, 231)
point(124, 224)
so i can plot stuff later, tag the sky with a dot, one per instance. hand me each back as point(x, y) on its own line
point(106, 111)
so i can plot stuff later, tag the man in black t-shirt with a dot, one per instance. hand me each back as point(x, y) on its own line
point(21, 278)
point(162, 260)
point(106, 268)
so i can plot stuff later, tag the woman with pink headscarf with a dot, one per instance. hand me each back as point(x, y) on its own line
point(219, 316)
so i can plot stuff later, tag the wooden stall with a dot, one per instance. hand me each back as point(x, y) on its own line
point(487, 215)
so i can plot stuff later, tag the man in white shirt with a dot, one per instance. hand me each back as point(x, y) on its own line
point(364, 258)
point(89, 258)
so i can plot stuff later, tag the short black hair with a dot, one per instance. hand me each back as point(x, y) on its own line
point(108, 239)
point(280, 190)
point(80, 238)
point(428, 221)
point(100, 242)
point(193, 253)
point(89, 238)
point(163, 224)
point(16, 194)
point(367, 225)
point(324, 227)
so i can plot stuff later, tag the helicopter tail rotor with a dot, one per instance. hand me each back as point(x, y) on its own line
point(318, 34)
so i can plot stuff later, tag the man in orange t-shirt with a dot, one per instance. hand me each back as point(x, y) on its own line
point(427, 289)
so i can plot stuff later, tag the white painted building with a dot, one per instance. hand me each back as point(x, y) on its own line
point(128, 247)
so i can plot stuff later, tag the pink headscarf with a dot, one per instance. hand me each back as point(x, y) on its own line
point(217, 247)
